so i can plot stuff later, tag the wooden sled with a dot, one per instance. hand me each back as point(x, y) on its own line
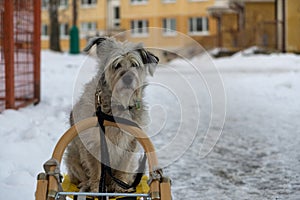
point(49, 182)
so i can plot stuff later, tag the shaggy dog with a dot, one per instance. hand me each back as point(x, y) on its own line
point(118, 89)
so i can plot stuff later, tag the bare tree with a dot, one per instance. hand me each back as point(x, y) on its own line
point(54, 25)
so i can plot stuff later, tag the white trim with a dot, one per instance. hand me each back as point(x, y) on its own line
point(170, 34)
point(62, 7)
point(86, 6)
point(44, 37)
point(135, 2)
point(139, 35)
point(198, 33)
point(168, 1)
point(198, 0)
point(64, 37)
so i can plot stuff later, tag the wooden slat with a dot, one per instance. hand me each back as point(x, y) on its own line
point(9, 53)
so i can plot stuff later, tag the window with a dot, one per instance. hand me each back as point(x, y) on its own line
point(197, 0)
point(88, 3)
point(116, 19)
point(64, 30)
point(168, 1)
point(139, 27)
point(44, 30)
point(88, 26)
point(198, 25)
point(169, 25)
point(45, 4)
point(138, 1)
point(63, 4)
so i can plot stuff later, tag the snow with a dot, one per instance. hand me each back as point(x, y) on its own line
point(256, 96)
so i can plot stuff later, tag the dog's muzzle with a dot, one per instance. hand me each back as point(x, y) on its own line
point(128, 79)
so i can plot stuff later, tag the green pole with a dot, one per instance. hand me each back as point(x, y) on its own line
point(74, 32)
point(74, 40)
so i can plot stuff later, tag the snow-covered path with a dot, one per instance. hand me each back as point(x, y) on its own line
point(256, 157)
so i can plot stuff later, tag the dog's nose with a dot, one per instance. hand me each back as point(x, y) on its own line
point(127, 79)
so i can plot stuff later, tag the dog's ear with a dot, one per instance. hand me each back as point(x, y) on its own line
point(92, 42)
point(149, 59)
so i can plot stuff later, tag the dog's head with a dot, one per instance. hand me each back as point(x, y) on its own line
point(123, 67)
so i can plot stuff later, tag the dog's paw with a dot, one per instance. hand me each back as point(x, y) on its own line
point(94, 185)
point(83, 186)
point(118, 189)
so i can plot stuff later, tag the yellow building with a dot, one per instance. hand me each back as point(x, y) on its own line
point(153, 22)
point(288, 30)
point(270, 24)
point(91, 21)
point(244, 23)
point(232, 24)
point(169, 19)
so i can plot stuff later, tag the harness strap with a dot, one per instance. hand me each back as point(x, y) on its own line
point(103, 116)
point(105, 168)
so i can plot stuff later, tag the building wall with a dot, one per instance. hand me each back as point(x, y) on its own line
point(155, 11)
point(260, 28)
point(229, 30)
point(292, 25)
point(95, 13)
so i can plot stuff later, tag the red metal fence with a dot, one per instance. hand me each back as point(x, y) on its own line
point(19, 53)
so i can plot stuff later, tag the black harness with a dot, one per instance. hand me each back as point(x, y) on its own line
point(105, 164)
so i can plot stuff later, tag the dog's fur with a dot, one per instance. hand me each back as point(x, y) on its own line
point(120, 81)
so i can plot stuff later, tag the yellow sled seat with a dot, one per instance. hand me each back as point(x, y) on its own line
point(142, 188)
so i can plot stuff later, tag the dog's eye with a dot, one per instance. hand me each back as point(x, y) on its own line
point(135, 65)
point(118, 66)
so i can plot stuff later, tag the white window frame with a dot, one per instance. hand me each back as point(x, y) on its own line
point(88, 28)
point(116, 21)
point(136, 31)
point(62, 28)
point(44, 31)
point(198, 0)
point(45, 4)
point(168, 1)
point(86, 4)
point(138, 2)
point(194, 31)
point(168, 30)
point(63, 4)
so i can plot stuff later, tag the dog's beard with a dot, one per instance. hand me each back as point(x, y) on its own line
point(125, 96)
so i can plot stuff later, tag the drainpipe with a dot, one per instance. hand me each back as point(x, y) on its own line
point(108, 17)
point(220, 36)
point(241, 15)
point(283, 26)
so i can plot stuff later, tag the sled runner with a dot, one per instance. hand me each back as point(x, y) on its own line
point(49, 183)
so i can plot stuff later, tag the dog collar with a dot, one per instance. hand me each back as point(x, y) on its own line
point(137, 103)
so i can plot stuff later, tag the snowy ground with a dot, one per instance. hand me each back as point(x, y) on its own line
point(256, 157)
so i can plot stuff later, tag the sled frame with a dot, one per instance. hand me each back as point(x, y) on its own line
point(49, 184)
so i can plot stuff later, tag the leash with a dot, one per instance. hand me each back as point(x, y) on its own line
point(105, 164)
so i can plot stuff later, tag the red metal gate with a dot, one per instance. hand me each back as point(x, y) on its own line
point(20, 24)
